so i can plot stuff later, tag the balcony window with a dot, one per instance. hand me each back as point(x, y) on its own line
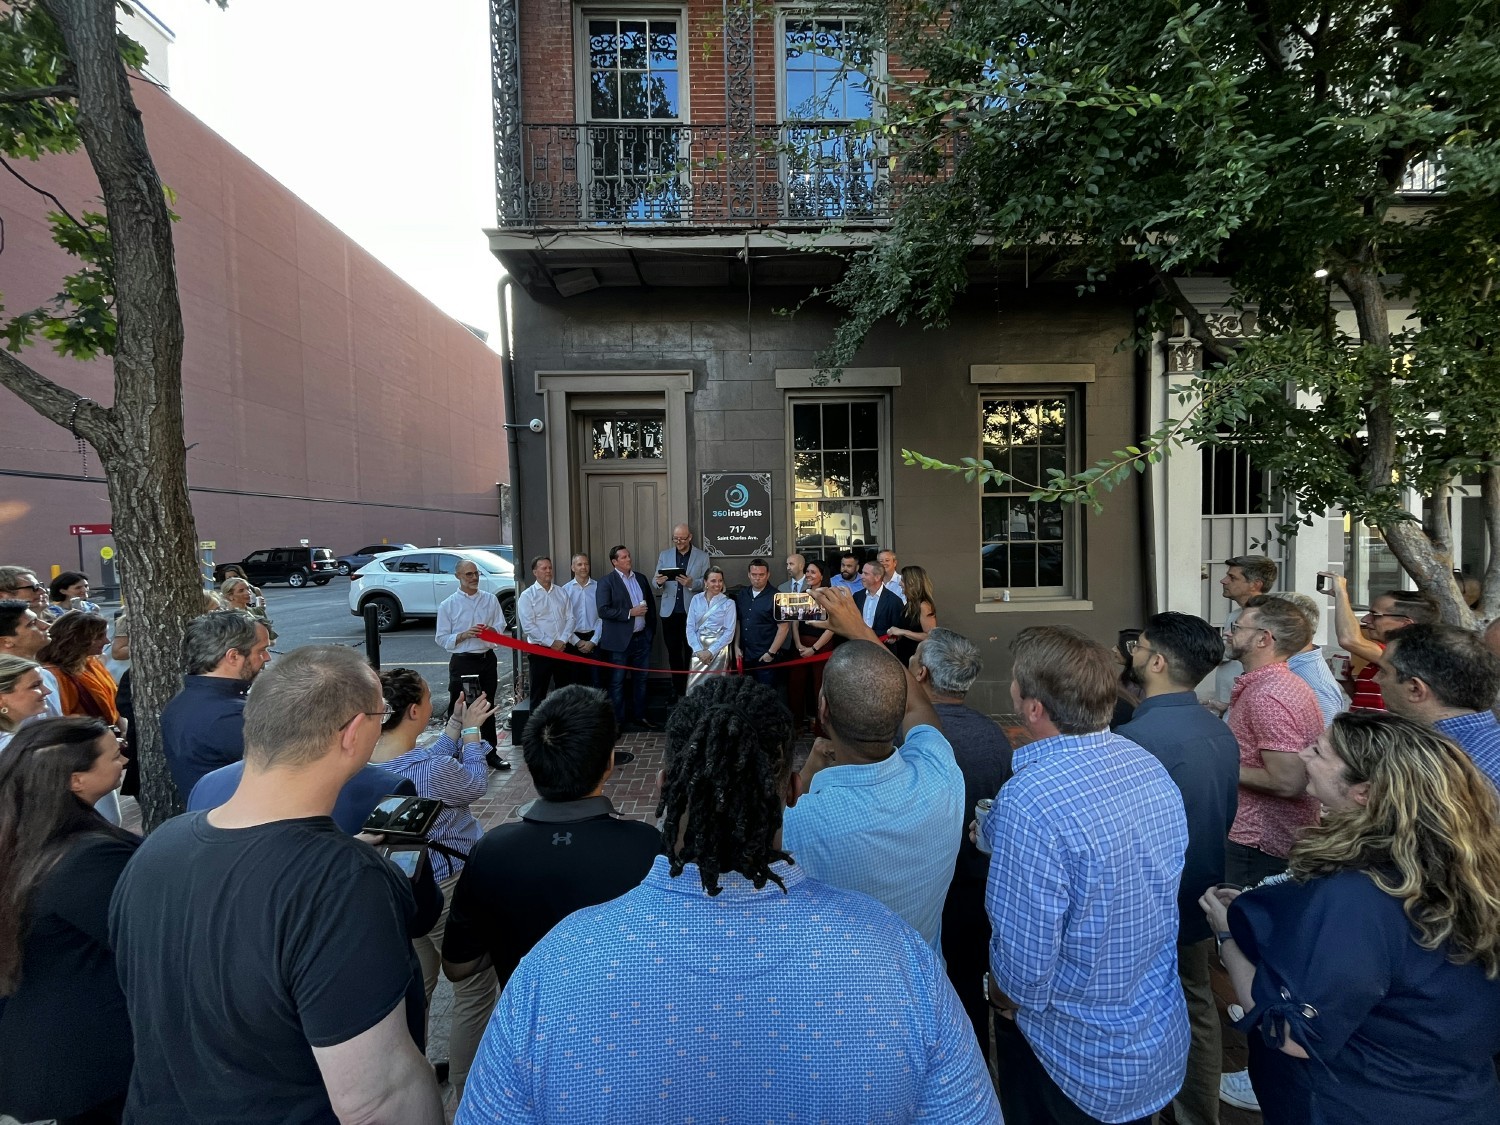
point(1028, 548)
point(634, 101)
point(831, 160)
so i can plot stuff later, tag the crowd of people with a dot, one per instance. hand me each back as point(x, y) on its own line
point(917, 921)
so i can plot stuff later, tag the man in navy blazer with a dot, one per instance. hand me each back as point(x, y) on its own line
point(887, 609)
point(627, 623)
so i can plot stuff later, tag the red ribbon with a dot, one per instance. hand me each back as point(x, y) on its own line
point(489, 636)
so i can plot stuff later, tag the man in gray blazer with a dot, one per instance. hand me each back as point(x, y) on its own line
point(675, 595)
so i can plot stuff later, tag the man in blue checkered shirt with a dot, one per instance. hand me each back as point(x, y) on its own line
point(1088, 840)
point(1445, 677)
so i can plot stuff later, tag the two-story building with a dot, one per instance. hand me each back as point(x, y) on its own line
point(675, 182)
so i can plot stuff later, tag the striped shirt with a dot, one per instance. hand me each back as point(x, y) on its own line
point(1314, 672)
point(1088, 841)
point(454, 773)
point(585, 603)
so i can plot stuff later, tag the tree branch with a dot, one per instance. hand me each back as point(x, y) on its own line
point(54, 401)
point(44, 193)
point(1196, 324)
point(36, 94)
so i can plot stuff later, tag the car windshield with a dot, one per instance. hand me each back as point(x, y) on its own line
point(491, 564)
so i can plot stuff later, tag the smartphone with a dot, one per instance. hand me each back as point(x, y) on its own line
point(1325, 584)
point(797, 607)
point(471, 688)
point(408, 860)
point(398, 816)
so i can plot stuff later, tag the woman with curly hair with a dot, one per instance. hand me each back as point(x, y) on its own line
point(1370, 973)
point(73, 652)
point(65, 1047)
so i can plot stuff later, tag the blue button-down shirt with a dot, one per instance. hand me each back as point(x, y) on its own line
point(666, 1004)
point(890, 829)
point(1479, 734)
point(1088, 841)
point(1314, 671)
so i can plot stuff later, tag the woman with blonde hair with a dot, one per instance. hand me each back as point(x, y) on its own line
point(918, 618)
point(710, 628)
point(237, 593)
point(23, 695)
point(1370, 973)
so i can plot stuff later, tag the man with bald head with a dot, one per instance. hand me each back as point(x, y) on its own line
point(676, 590)
point(883, 804)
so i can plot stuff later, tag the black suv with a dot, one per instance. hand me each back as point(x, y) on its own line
point(296, 566)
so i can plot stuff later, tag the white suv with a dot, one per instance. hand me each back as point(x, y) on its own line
point(403, 584)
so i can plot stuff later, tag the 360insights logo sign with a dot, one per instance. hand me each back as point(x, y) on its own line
point(737, 513)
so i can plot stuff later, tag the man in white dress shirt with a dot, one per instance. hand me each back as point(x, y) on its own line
point(584, 639)
point(892, 574)
point(546, 617)
point(460, 618)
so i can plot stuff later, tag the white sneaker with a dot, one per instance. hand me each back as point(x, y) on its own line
point(1236, 1090)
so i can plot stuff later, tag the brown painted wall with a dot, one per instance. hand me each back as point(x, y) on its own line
point(737, 421)
point(310, 370)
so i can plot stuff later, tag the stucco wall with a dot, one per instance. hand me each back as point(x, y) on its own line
point(737, 421)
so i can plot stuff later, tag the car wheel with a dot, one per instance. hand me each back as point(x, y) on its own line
point(344, 569)
point(321, 581)
point(508, 607)
point(387, 612)
point(297, 579)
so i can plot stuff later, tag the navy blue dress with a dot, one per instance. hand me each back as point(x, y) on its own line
point(1396, 1033)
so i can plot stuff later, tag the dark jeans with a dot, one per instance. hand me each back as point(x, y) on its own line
point(1247, 866)
point(674, 636)
point(1028, 1096)
point(483, 665)
point(966, 952)
point(544, 673)
point(585, 674)
point(637, 660)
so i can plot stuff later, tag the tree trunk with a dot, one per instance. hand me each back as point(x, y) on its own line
point(1429, 565)
point(139, 438)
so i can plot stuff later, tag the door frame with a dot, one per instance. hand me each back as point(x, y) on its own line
point(566, 395)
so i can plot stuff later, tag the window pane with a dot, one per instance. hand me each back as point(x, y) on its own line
point(604, 94)
point(806, 431)
point(1025, 546)
point(1023, 466)
point(663, 45)
point(866, 473)
point(603, 46)
point(836, 470)
point(865, 425)
point(836, 426)
point(633, 44)
point(808, 470)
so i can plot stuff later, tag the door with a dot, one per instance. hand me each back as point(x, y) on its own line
point(257, 567)
point(628, 508)
point(411, 580)
point(445, 576)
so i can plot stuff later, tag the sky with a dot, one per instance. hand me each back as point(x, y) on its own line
point(375, 113)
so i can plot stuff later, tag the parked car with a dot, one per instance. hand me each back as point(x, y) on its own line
point(504, 550)
point(296, 566)
point(406, 584)
point(351, 562)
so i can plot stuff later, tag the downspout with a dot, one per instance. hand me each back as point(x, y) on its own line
point(508, 391)
point(1145, 490)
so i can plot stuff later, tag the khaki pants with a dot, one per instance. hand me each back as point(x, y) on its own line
point(1197, 1103)
point(473, 999)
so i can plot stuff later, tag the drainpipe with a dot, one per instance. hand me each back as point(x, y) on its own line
point(1145, 487)
point(508, 390)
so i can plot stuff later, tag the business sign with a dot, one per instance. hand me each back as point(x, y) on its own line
point(736, 513)
point(91, 529)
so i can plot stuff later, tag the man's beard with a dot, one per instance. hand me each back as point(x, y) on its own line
point(1132, 674)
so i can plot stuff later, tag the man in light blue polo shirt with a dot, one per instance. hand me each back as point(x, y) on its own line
point(876, 818)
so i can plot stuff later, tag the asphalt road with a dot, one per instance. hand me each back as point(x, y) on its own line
point(319, 615)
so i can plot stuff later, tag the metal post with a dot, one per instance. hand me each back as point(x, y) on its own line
point(372, 635)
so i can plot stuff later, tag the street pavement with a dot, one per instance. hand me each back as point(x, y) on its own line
point(320, 615)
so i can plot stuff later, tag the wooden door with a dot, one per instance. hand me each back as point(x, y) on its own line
point(628, 508)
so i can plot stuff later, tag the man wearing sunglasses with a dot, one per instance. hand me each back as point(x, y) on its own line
point(1366, 637)
point(20, 583)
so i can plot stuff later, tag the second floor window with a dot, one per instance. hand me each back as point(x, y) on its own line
point(634, 102)
point(831, 161)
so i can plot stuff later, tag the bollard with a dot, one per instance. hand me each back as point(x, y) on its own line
point(372, 635)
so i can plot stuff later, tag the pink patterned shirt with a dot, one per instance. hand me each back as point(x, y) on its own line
point(1272, 710)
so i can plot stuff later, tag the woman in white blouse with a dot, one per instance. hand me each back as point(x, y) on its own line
point(710, 628)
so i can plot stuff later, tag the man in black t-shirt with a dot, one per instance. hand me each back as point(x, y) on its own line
point(569, 850)
point(263, 953)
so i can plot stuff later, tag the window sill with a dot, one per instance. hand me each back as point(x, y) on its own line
point(1035, 605)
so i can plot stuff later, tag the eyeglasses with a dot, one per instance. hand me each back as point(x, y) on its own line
point(1132, 646)
point(1230, 629)
point(385, 716)
point(32, 586)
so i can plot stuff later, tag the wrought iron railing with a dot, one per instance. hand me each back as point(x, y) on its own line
point(669, 174)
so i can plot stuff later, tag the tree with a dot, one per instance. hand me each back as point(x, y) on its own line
point(1140, 142)
point(65, 75)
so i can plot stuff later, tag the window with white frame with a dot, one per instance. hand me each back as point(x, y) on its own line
point(1028, 548)
point(840, 476)
point(831, 159)
point(634, 91)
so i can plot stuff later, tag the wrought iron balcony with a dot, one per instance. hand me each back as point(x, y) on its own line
point(665, 174)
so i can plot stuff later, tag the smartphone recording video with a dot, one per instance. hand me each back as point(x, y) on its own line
point(797, 607)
